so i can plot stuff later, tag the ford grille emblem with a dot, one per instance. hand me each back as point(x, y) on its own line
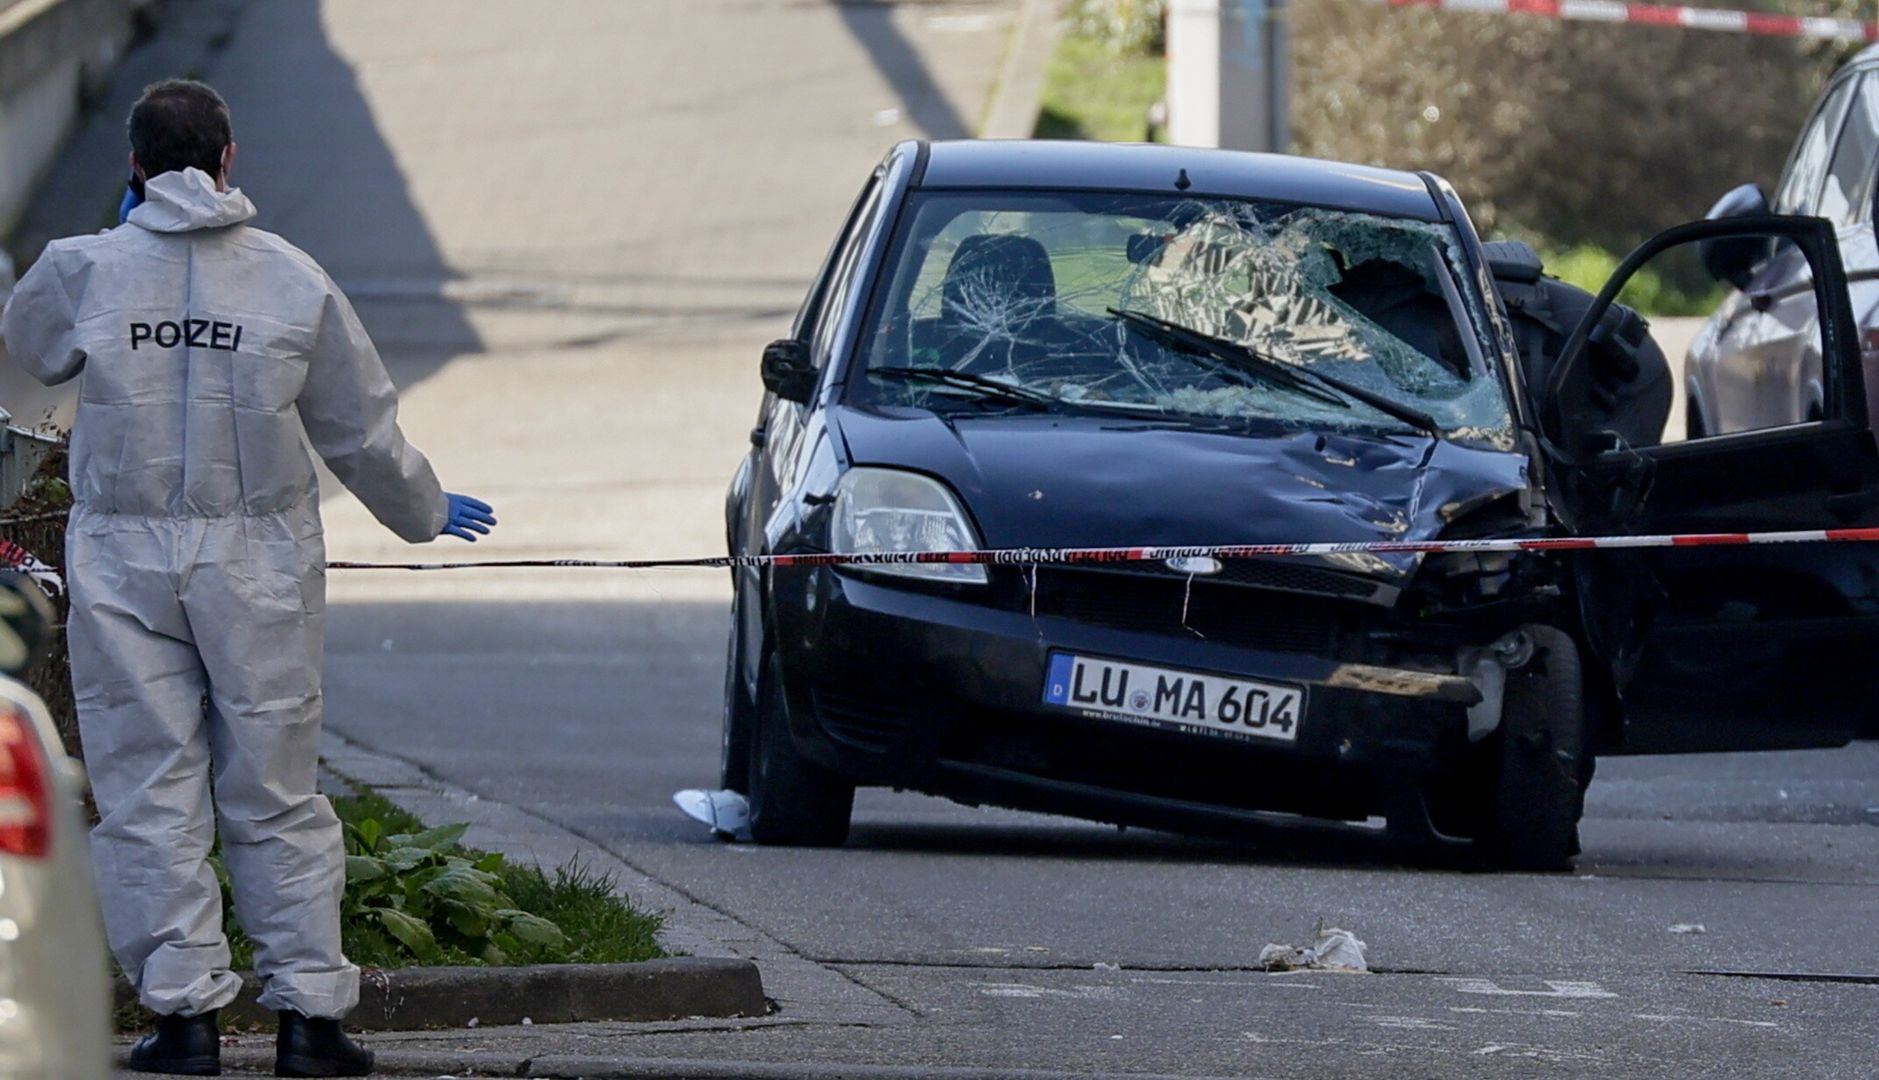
point(1195, 564)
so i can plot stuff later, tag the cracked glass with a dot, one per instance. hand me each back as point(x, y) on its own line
point(1010, 300)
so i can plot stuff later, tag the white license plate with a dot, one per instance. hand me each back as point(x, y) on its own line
point(1136, 693)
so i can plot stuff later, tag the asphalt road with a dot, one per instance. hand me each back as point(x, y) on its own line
point(572, 227)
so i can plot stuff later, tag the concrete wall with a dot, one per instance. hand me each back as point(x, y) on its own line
point(52, 54)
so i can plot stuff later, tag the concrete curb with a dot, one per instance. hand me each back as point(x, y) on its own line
point(593, 1067)
point(1012, 112)
point(411, 999)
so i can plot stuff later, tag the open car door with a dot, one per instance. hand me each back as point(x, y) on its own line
point(1731, 647)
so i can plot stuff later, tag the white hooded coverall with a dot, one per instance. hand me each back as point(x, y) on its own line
point(197, 574)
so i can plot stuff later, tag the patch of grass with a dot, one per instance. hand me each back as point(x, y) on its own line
point(1092, 91)
point(586, 905)
point(415, 895)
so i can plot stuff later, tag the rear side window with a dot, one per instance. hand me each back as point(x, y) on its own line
point(1846, 199)
point(1800, 188)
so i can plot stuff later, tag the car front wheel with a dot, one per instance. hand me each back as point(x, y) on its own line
point(734, 747)
point(1539, 760)
point(740, 709)
point(793, 801)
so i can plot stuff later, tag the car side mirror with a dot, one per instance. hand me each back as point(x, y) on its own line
point(787, 371)
point(1735, 259)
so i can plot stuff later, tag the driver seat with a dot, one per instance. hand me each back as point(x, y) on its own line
point(998, 301)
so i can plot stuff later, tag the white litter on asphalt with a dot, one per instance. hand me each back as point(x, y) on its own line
point(1335, 950)
point(725, 813)
point(1689, 928)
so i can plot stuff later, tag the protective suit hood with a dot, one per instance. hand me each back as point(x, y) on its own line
point(176, 202)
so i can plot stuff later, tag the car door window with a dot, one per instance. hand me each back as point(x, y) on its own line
point(808, 317)
point(1719, 618)
point(1788, 358)
point(1800, 187)
point(828, 321)
point(1846, 198)
point(1753, 359)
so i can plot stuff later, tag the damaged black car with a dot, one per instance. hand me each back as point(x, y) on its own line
point(1025, 345)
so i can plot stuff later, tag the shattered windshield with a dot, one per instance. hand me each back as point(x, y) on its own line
point(1181, 308)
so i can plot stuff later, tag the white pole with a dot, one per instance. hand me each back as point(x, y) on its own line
point(1228, 72)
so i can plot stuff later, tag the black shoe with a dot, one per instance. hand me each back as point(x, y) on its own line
point(308, 1046)
point(180, 1046)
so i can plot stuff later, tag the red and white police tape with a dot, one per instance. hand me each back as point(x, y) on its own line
point(18, 558)
point(1069, 556)
point(1764, 23)
point(15, 557)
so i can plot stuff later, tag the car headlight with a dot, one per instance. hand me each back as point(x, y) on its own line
point(887, 510)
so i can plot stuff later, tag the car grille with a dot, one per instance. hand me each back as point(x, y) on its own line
point(1261, 574)
point(1224, 613)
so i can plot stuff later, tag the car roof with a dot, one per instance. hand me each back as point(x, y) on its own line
point(1091, 166)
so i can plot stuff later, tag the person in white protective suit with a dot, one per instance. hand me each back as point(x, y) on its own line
point(207, 350)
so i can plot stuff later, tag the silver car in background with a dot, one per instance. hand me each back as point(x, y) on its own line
point(1756, 363)
point(55, 996)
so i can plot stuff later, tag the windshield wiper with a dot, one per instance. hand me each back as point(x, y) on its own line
point(1244, 358)
point(964, 380)
point(1389, 406)
point(1189, 340)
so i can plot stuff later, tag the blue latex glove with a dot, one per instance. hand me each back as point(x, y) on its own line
point(132, 201)
point(468, 517)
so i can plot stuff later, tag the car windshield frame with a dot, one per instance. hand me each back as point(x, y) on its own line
point(898, 273)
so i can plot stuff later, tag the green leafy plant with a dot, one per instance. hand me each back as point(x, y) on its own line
point(415, 895)
point(436, 902)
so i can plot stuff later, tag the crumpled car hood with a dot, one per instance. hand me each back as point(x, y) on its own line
point(1083, 481)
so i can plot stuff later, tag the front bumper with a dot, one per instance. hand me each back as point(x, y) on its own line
point(942, 691)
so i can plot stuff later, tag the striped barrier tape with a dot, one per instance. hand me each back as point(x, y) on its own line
point(1071, 556)
point(1765, 23)
point(18, 558)
point(15, 557)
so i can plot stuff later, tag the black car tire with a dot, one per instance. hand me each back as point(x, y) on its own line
point(739, 716)
point(1539, 760)
point(793, 801)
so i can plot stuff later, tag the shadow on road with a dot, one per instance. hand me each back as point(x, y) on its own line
point(618, 703)
point(324, 175)
point(899, 62)
point(1278, 842)
point(312, 156)
point(593, 713)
